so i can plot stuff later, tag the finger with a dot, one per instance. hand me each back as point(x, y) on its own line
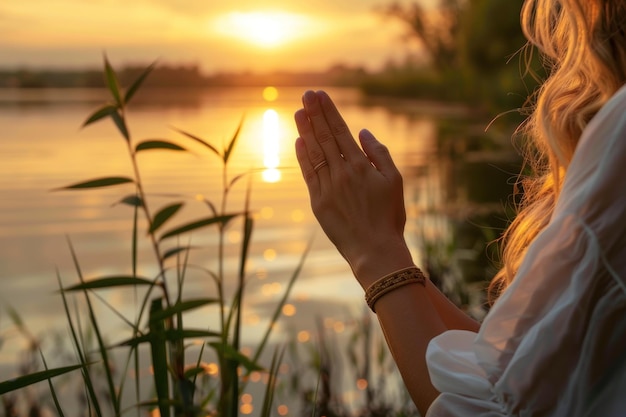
point(313, 149)
point(377, 153)
point(321, 130)
point(338, 127)
point(308, 172)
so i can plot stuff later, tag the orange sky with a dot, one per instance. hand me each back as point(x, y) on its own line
point(219, 35)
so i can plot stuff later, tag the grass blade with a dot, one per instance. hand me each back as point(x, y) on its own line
point(233, 141)
point(137, 204)
point(182, 307)
point(97, 183)
point(237, 304)
point(105, 111)
point(230, 353)
point(120, 123)
point(198, 362)
point(158, 144)
point(89, 388)
point(201, 141)
point(158, 348)
point(164, 215)
point(280, 305)
point(16, 319)
point(132, 200)
point(108, 282)
point(53, 392)
point(221, 220)
point(134, 351)
point(176, 250)
point(96, 328)
point(26, 380)
point(270, 388)
point(237, 307)
point(112, 82)
point(169, 335)
point(137, 83)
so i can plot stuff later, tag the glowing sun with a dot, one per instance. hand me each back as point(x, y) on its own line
point(263, 28)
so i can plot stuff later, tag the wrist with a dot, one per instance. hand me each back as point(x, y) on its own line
point(379, 261)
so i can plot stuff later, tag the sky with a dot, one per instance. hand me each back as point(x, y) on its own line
point(219, 35)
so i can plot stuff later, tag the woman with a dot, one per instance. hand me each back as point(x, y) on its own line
point(554, 342)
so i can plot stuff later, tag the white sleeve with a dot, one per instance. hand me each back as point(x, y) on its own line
point(554, 344)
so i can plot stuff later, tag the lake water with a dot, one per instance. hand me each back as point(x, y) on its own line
point(43, 148)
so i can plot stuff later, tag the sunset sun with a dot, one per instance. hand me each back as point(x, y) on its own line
point(263, 28)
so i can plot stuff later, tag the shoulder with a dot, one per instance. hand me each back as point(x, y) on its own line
point(594, 184)
point(607, 129)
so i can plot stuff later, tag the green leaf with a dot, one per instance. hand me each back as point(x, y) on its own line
point(248, 227)
point(121, 125)
point(199, 224)
point(175, 251)
point(170, 335)
point(112, 83)
point(132, 200)
point(228, 352)
point(105, 111)
point(270, 388)
point(97, 183)
point(108, 282)
point(211, 206)
point(163, 215)
point(26, 380)
point(233, 141)
point(237, 178)
point(86, 374)
point(201, 141)
point(16, 318)
point(53, 392)
point(159, 358)
point(281, 303)
point(181, 307)
point(193, 372)
point(158, 144)
point(113, 394)
point(154, 403)
point(135, 85)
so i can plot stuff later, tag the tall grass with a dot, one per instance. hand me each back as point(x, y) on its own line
point(157, 328)
point(352, 375)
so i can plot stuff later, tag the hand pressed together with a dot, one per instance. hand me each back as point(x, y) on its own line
point(356, 191)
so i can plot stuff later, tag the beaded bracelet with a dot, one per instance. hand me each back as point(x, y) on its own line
point(388, 283)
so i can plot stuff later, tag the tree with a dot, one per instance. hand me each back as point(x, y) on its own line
point(472, 46)
point(491, 43)
point(436, 29)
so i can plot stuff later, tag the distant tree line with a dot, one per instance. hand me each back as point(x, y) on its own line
point(179, 76)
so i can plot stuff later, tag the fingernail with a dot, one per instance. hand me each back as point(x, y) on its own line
point(309, 97)
point(366, 134)
point(321, 94)
point(300, 115)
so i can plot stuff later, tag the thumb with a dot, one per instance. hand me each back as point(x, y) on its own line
point(377, 153)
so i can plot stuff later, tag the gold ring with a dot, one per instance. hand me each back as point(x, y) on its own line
point(320, 165)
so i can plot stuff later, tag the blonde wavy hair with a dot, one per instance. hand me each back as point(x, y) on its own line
point(583, 44)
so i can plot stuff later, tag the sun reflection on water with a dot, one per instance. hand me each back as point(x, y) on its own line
point(271, 146)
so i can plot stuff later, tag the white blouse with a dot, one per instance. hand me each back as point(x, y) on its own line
point(554, 344)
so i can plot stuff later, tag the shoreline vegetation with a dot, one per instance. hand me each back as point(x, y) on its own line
point(181, 76)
